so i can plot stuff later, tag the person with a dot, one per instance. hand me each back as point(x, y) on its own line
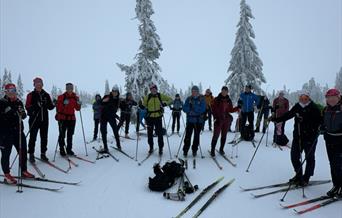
point(177, 106)
point(67, 104)
point(110, 105)
point(195, 108)
point(307, 122)
point(246, 102)
point(141, 114)
point(222, 107)
point(280, 106)
point(154, 103)
point(11, 111)
point(126, 110)
point(208, 113)
point(97, 107)
point(332, 129)
point(38, 104)
point(264, 111)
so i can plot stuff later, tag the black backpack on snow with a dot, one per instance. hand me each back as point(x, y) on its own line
point(165, 176)
point(281, 140)
point(247, 133)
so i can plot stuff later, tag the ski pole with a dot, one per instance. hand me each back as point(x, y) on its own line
point(20, 187)
point(168, 124)
point(167, 139)
point(199, 144)
point(247, 170)
point(60, 130)
point(136, 148)
point(84, 140)
point(180, 144)
point(267, 135)
point(301, 165)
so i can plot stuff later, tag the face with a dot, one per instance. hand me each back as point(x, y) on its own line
point(38, 86)
point(70, 89)
point(98, 98)
point(194, 93)
point(115, 93)
point(11, 95)
point(333, 100)
point(154, 91)
point(304, 99)
point(247, 89)
point(207, 92)
point(129, 97)
point(224, 93)
point(281, 95)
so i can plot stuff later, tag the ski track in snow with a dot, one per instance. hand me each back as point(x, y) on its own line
point(119, 189)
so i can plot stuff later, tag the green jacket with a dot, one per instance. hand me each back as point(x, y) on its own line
point(154, 106)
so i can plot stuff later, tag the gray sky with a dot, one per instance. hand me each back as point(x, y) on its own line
point(81, 40)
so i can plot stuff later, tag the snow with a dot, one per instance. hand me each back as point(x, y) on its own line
point(119, 189)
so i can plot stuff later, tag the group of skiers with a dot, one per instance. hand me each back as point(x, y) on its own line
point(310, 121)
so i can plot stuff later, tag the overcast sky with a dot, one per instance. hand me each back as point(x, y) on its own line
point(80, 41)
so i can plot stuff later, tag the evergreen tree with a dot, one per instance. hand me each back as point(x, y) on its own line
point(107, 89)
point(145, 70)
point(338, 81)
point(54, 92)
point(245, 64)
point(20, 88)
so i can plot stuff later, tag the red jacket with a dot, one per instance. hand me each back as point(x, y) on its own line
point(66, 106)
point(281, 106)
point(222, 107)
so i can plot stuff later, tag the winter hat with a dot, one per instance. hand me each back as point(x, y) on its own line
point(177, 95)
point(128, 94)
point(225, 88)
point(10, 88)
point(37, 80)
point(195, 88)
point(208, 91)
point(332, 92)
point(69, 85)
point(153, 86)
point(304, 92)
point(115, 88)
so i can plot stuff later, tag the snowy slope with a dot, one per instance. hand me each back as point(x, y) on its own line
point(111, 189)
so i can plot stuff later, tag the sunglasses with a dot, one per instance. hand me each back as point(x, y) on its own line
point(11, 90)
point(304, 98)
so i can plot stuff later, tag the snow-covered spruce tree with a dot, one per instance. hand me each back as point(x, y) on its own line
point(107, 89)
point(145, 70)
point(20, 88)
point(315, 90)
point(338, 81)
point(245, 65)
point(54, 92)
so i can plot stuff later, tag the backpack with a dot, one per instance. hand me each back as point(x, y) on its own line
point(161, 104)
point(165, 176)
point(247, 133)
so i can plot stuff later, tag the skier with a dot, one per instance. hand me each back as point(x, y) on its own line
point(332, 128)
point(222, 107)
point(110, 105)
point(208, 113)
point(97, 107)
point(280, 106)
point(141, 113)
point(264, 111)
point(176, 108)
point(11, 109)
point(154, 104)
point(195, 108)
point(307, 121)
point(38, 104)
point(246, 102)
point(126, 110)
point(67, 104)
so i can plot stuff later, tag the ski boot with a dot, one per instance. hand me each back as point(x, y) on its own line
point(27, 174)
point(44, 157)
point(9, 179)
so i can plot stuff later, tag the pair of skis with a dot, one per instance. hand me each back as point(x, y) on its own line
point(204, 192)
point(224, 157)
point(108, 154)
point(326, 200)
point(186, 165)
point(282, 188)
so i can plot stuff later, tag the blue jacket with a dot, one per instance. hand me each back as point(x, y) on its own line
point(177, 105)
point(194, 107)
point(248, 100)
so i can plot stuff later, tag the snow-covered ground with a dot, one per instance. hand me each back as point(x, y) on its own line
point(119, 189)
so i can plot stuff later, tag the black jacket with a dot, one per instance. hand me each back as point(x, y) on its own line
point(308, 119)
point(126, 106)
point(332, 124)
point(110, 108)
point(38, 104)
point(9, 118)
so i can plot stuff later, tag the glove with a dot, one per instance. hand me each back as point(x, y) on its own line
point(21, 111)
point(39, 104)
point(66, 101)
point(299, 118)
point(8, 109)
